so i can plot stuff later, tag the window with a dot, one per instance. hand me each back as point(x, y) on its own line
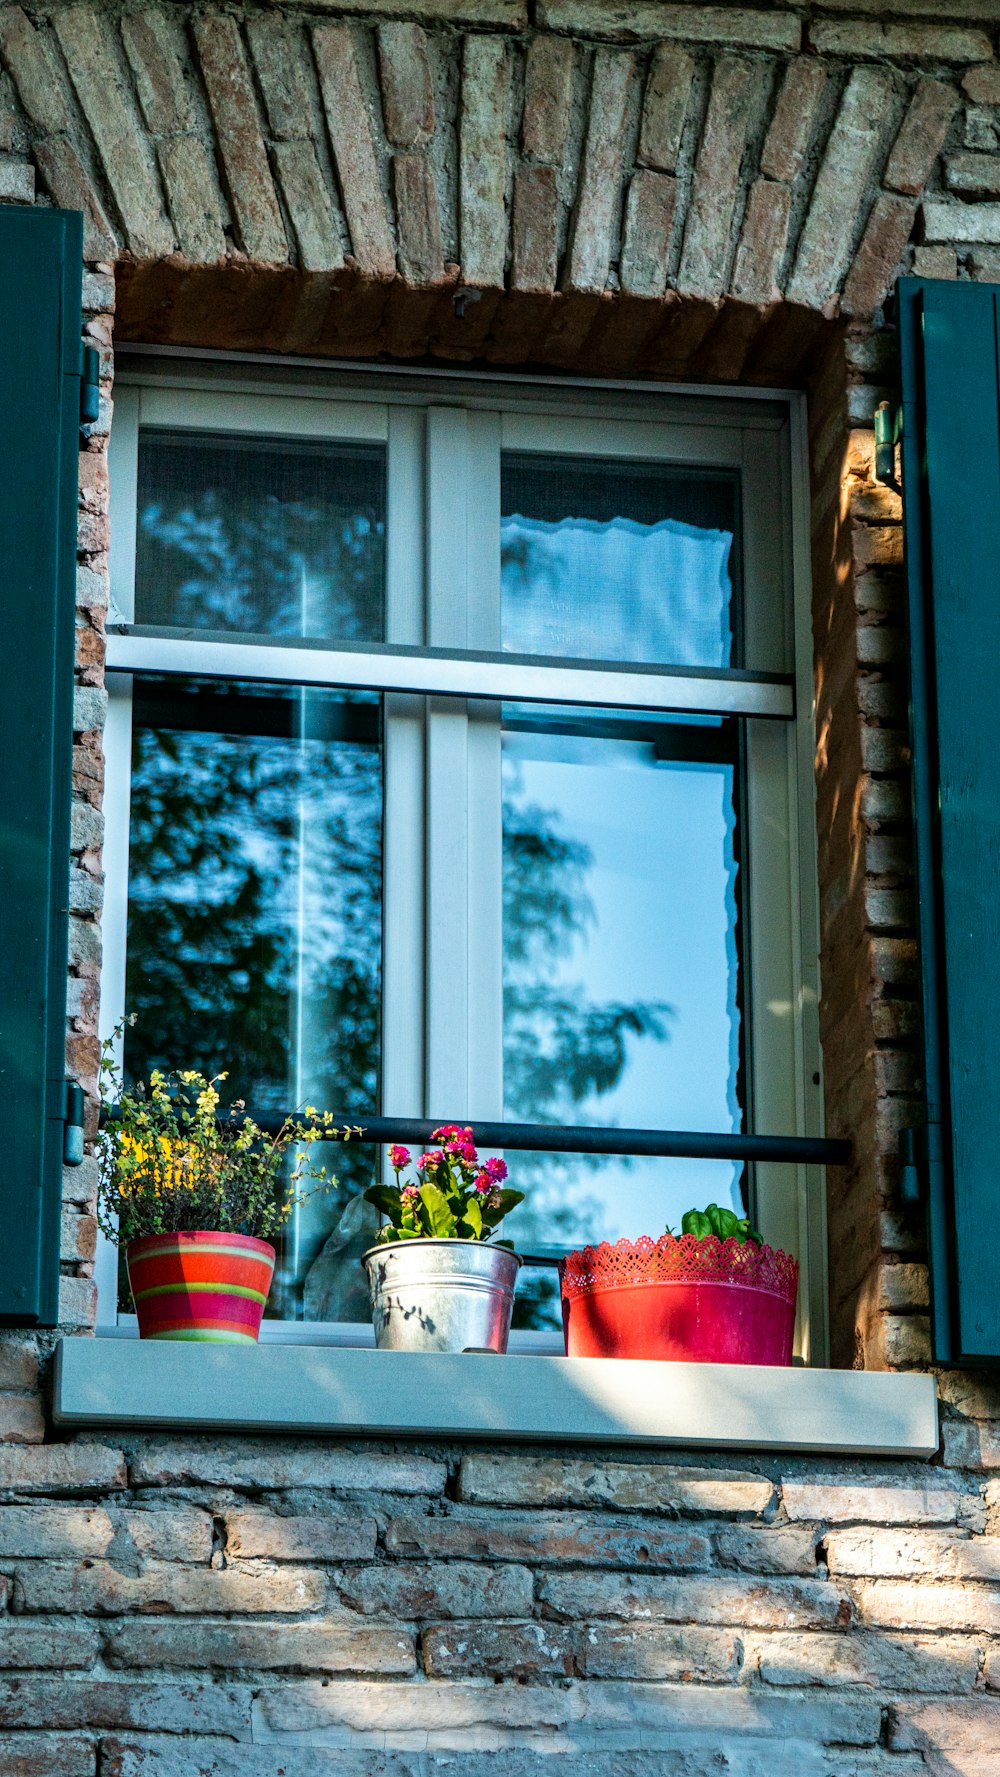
point(459, 765)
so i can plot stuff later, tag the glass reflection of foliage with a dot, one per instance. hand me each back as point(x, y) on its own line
point(276, 537)
point(561, 1049)
point(254, 940)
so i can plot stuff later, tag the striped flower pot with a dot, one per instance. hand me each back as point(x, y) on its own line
point(205, 1286)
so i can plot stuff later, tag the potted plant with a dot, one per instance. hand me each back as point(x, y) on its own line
point(715, 1294)
point(196, 1200)
point(438, 1279)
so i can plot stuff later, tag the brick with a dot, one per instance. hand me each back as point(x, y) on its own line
point(972, 1444)
point(307, 198)
point(901, 43)
point(91, 53)
point(37, 71)
point(17, 180)
point(897, 1663)
point(548, 96)
point(980, 128)
point(962, 1725)
point(984, 264)
point(972, 1395)
point(32, 1646)
point(631, 20)
point(664, 108)
point(418, 215)
point(780, 1548)
point(973, 175)
point(313, 1646)
point(733, 99)
point(241, 147)
point(18, 1363)
point(320, 1536)
point(885, 1604)
point(921, 137)
point(961, 224)
point(901, 1287)
point(509, 15)
point(784, 1604)
point(70, 187)
point(871, 1499)
point(487, 74)
point(791, 129)
point(281, 59)
point(879, 255)
point(597, 205)
point(550, 1536)
point(849, 161)
point(154, 45)
point(77, 1302)
point(649, 224)
point(21, 1419)
point(45, 1755)
point(655, 1653)
point(40, 1531)
point(493, 1478)
point(99, 1589)
point(407, 84)
point(762, 242)
point(982, 85)
point(536, 225)
point(62, 1468)
point(353, 141)
point(87, 1702)
point(193, 200)
point(415, 1590)
point(497, 1650)
point(899, 1554)
point(280, 1463)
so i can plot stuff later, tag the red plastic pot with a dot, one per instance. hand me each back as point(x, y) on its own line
point(691, 1301)
point(204, 1286)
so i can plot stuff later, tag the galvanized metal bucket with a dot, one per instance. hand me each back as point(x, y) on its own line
point(441, 1295)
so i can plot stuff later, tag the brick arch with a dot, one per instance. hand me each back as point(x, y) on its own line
point(674, 206)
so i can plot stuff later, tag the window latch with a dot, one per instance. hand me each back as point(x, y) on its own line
point(73, 1124)
point(90, 384)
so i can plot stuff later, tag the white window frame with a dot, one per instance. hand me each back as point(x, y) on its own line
point(443, 435)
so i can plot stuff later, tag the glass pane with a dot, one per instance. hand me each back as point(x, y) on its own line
point(603, 559)
point(254, 927)
point(275, 536)
point(621, 972)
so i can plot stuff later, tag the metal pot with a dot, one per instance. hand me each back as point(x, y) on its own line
point(441, 1295)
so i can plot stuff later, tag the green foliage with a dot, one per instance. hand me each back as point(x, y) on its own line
point(723, 1223)
point(458, 1197)
point(169, 1165)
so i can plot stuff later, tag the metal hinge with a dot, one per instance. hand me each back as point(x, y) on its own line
point(90, 384)
point(73, 1124)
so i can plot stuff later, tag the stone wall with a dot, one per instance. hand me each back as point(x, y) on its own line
point(639, 188)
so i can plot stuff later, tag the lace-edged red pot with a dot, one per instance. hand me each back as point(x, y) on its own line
point(704, 1301)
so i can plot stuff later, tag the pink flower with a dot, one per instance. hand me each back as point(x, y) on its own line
point(433, 1158)
point(465, 1151)
point(409, 1192)
point(484, 1184)
point(399, 1157)
point(447, 1132)
point(497, 1169)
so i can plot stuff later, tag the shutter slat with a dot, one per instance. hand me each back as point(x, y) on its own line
point(40, 317)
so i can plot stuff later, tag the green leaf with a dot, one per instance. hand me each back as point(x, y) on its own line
point(385, 1198)
point(724, 1222)
point(493, 1214)
point(441, 1223)
point(696, 1222)
point(472, 1219)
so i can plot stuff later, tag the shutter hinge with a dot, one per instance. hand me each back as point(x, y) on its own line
point(73, 1125)
point(888, 432)
point(90, 384)
point(910, 1182)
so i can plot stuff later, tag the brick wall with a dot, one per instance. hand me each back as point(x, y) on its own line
point(648, 188)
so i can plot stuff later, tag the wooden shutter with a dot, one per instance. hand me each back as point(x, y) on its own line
point(951, 474)
point(41, 252)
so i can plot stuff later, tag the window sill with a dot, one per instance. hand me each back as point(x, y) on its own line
point(312, 1389)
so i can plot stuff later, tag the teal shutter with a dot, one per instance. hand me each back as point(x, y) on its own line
point(41, 252)
point(951, 489)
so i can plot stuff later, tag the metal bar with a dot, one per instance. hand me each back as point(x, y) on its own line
point(547, 1138)
point(441, 672)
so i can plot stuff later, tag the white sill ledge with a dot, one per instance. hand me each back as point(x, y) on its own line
point(315, 1389)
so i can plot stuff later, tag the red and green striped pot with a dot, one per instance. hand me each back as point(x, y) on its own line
point(205, 1286)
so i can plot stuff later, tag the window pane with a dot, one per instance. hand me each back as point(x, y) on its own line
point(254, 928)
point(609, 560)
point(621, 972)
point(274, 536)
